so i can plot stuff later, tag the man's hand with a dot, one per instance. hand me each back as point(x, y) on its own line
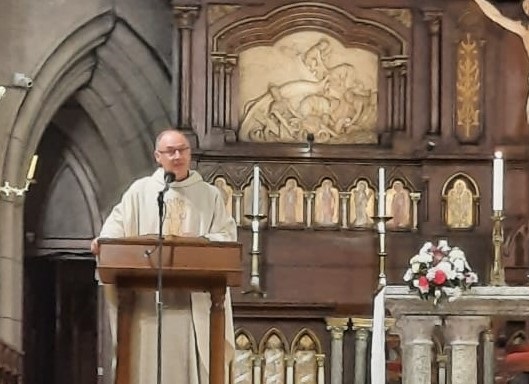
point(94, 246)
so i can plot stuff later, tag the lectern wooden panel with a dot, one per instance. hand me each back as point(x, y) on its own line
point(186, 263)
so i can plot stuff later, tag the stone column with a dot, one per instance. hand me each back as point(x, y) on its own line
point(361, 328)
point(238, 207)
point(337, 326)
point(433, 18)
point(289, 360)
point(257, 361)
point(462, 332)
point(344, 199)
point(184, 17)
point(11, 269)
point(488, 357)
point(320, 360)
point(309, 197)
point(416, 343)
point(274, 196)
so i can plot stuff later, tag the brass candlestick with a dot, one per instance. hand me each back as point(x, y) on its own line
point(380, 225)
point(497, 273)
point(255, 253)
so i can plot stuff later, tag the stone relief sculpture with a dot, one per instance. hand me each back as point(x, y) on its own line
point(291, 203)
point(362, 205)
point(226, 192)
point(320, 91)
point(326, 204)
point(398, 206)
point(459, 206)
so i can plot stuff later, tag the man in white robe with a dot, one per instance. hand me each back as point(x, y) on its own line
point(193, 208)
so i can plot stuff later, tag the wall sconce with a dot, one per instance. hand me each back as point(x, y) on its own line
point(7, 189)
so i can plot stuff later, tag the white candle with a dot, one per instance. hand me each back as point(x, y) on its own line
point(256, 188)
point(381, 192)
point(497, 182)
point(32, 167)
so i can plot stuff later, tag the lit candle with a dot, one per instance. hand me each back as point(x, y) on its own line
point(381, 192)
point(256, 188)
point(497, 182)
point(32, 167)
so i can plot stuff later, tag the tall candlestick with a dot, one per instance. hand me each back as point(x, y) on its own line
point(32, 167)
point(256, 188)
point(497, 182)
point(381, 192)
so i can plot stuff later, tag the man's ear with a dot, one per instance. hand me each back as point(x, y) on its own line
point(157, 157)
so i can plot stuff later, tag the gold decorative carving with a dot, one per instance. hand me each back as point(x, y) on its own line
point(218, 11)
point(460, 196)
point(403, 15)
point(459, 205)
point(308, 83)
point(468, 86)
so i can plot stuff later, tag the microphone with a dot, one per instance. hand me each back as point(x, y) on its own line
point(168, 177)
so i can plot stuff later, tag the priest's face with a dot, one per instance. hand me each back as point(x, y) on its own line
point(173, 153)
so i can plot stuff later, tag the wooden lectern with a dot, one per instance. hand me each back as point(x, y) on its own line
point(187, 263)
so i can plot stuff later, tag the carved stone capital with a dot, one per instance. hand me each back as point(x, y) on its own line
point(337, 326)
point(185, 15)
point(465, 329)
point(434, 21)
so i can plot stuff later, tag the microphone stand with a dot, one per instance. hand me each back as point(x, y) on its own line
point(159, 286)
point(169, 177)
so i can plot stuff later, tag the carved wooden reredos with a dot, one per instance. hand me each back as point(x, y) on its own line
point(412, 87)
point(279, 73)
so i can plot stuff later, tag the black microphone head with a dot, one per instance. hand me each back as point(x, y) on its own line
point(169, 177)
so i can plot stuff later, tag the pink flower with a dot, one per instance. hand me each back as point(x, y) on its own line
point(439, 278)
point(423, 284)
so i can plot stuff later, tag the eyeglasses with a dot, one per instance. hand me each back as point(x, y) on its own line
point(173, 151)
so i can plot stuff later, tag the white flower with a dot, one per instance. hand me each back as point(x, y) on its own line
point(471, 278)
point(416, 283)
point(408, 275)
point(415, 267)
point(459, 265)
point(430, 274)
point(447, 268)
point(422, 257)
point(443, 246)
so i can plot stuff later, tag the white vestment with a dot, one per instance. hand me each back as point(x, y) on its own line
point(193, 207)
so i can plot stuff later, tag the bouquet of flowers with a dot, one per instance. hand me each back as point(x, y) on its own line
point(440, 271)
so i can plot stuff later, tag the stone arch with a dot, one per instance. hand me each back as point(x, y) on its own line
point(127, 114)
